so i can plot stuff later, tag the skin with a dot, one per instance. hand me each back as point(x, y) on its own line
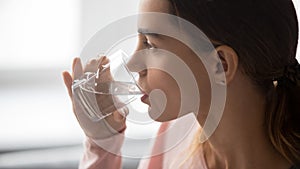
point(240, 141)
point(151, 79)
point(92, 129)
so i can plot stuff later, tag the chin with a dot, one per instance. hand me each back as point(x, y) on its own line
point(162, 117)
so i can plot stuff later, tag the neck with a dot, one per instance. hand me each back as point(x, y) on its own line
point(241, 141)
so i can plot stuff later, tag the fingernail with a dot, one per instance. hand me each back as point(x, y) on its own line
point(77, 64)
point(77, 68)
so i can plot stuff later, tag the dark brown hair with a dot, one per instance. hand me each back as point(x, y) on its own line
point(264, 34)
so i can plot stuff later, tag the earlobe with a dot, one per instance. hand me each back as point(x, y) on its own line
point(229, 62)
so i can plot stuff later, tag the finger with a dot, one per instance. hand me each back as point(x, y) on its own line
point(77, 68)
point(103, 63)
point(68, 82)
point(91, 66)
point(120, 115)
point(103, 74)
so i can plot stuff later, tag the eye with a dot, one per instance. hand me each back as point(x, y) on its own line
point(148, 44)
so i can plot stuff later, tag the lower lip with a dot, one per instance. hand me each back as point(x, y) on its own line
point(144, 97)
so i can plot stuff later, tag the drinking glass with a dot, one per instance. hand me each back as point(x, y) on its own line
point(108, 89)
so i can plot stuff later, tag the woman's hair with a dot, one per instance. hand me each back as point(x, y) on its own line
point(264, 34)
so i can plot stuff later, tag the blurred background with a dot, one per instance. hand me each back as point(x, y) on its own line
point(38, 40)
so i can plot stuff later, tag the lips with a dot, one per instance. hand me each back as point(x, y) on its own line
point(144, 99)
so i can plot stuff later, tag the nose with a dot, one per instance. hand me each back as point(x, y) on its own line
point(141, 81)
point(137, 63)
point(143, 73)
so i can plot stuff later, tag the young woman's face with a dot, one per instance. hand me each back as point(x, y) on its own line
point(151, 79)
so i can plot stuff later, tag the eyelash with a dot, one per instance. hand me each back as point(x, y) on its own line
point(148, 45)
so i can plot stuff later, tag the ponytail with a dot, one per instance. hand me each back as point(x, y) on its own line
point(283, 114)
point(264, 34)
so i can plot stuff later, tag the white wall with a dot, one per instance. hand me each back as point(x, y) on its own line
point(98, 13)
point(297, 6)
point(38, 33)
point(38, 40)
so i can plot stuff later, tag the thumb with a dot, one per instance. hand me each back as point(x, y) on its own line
point(77, 68)
point(120, 114)
point(68, 82)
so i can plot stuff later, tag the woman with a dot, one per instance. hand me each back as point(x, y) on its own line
point(256, 42)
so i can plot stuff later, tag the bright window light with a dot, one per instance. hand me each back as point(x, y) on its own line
point(297, 6)
point(38, 33)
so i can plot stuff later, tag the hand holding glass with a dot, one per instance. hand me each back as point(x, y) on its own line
point(108, 89)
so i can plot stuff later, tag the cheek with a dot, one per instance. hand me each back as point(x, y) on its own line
point(204, 87)
point(158, 79)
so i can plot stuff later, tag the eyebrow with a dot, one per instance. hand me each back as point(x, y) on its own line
point(147, 32)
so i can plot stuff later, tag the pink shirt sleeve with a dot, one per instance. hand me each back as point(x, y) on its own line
point(97, 153)
point(95, 156)
point(174, 157)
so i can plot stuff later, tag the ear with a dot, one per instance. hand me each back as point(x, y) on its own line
point(229, 60)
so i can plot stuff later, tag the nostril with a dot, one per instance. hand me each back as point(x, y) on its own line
point(143, 73)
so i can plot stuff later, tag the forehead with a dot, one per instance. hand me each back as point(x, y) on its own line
point(154, 6)
point(153, 17)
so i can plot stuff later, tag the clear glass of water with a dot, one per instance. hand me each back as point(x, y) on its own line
point(110, 89)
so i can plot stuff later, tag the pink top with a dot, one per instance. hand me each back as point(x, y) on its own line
point(95, 157)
